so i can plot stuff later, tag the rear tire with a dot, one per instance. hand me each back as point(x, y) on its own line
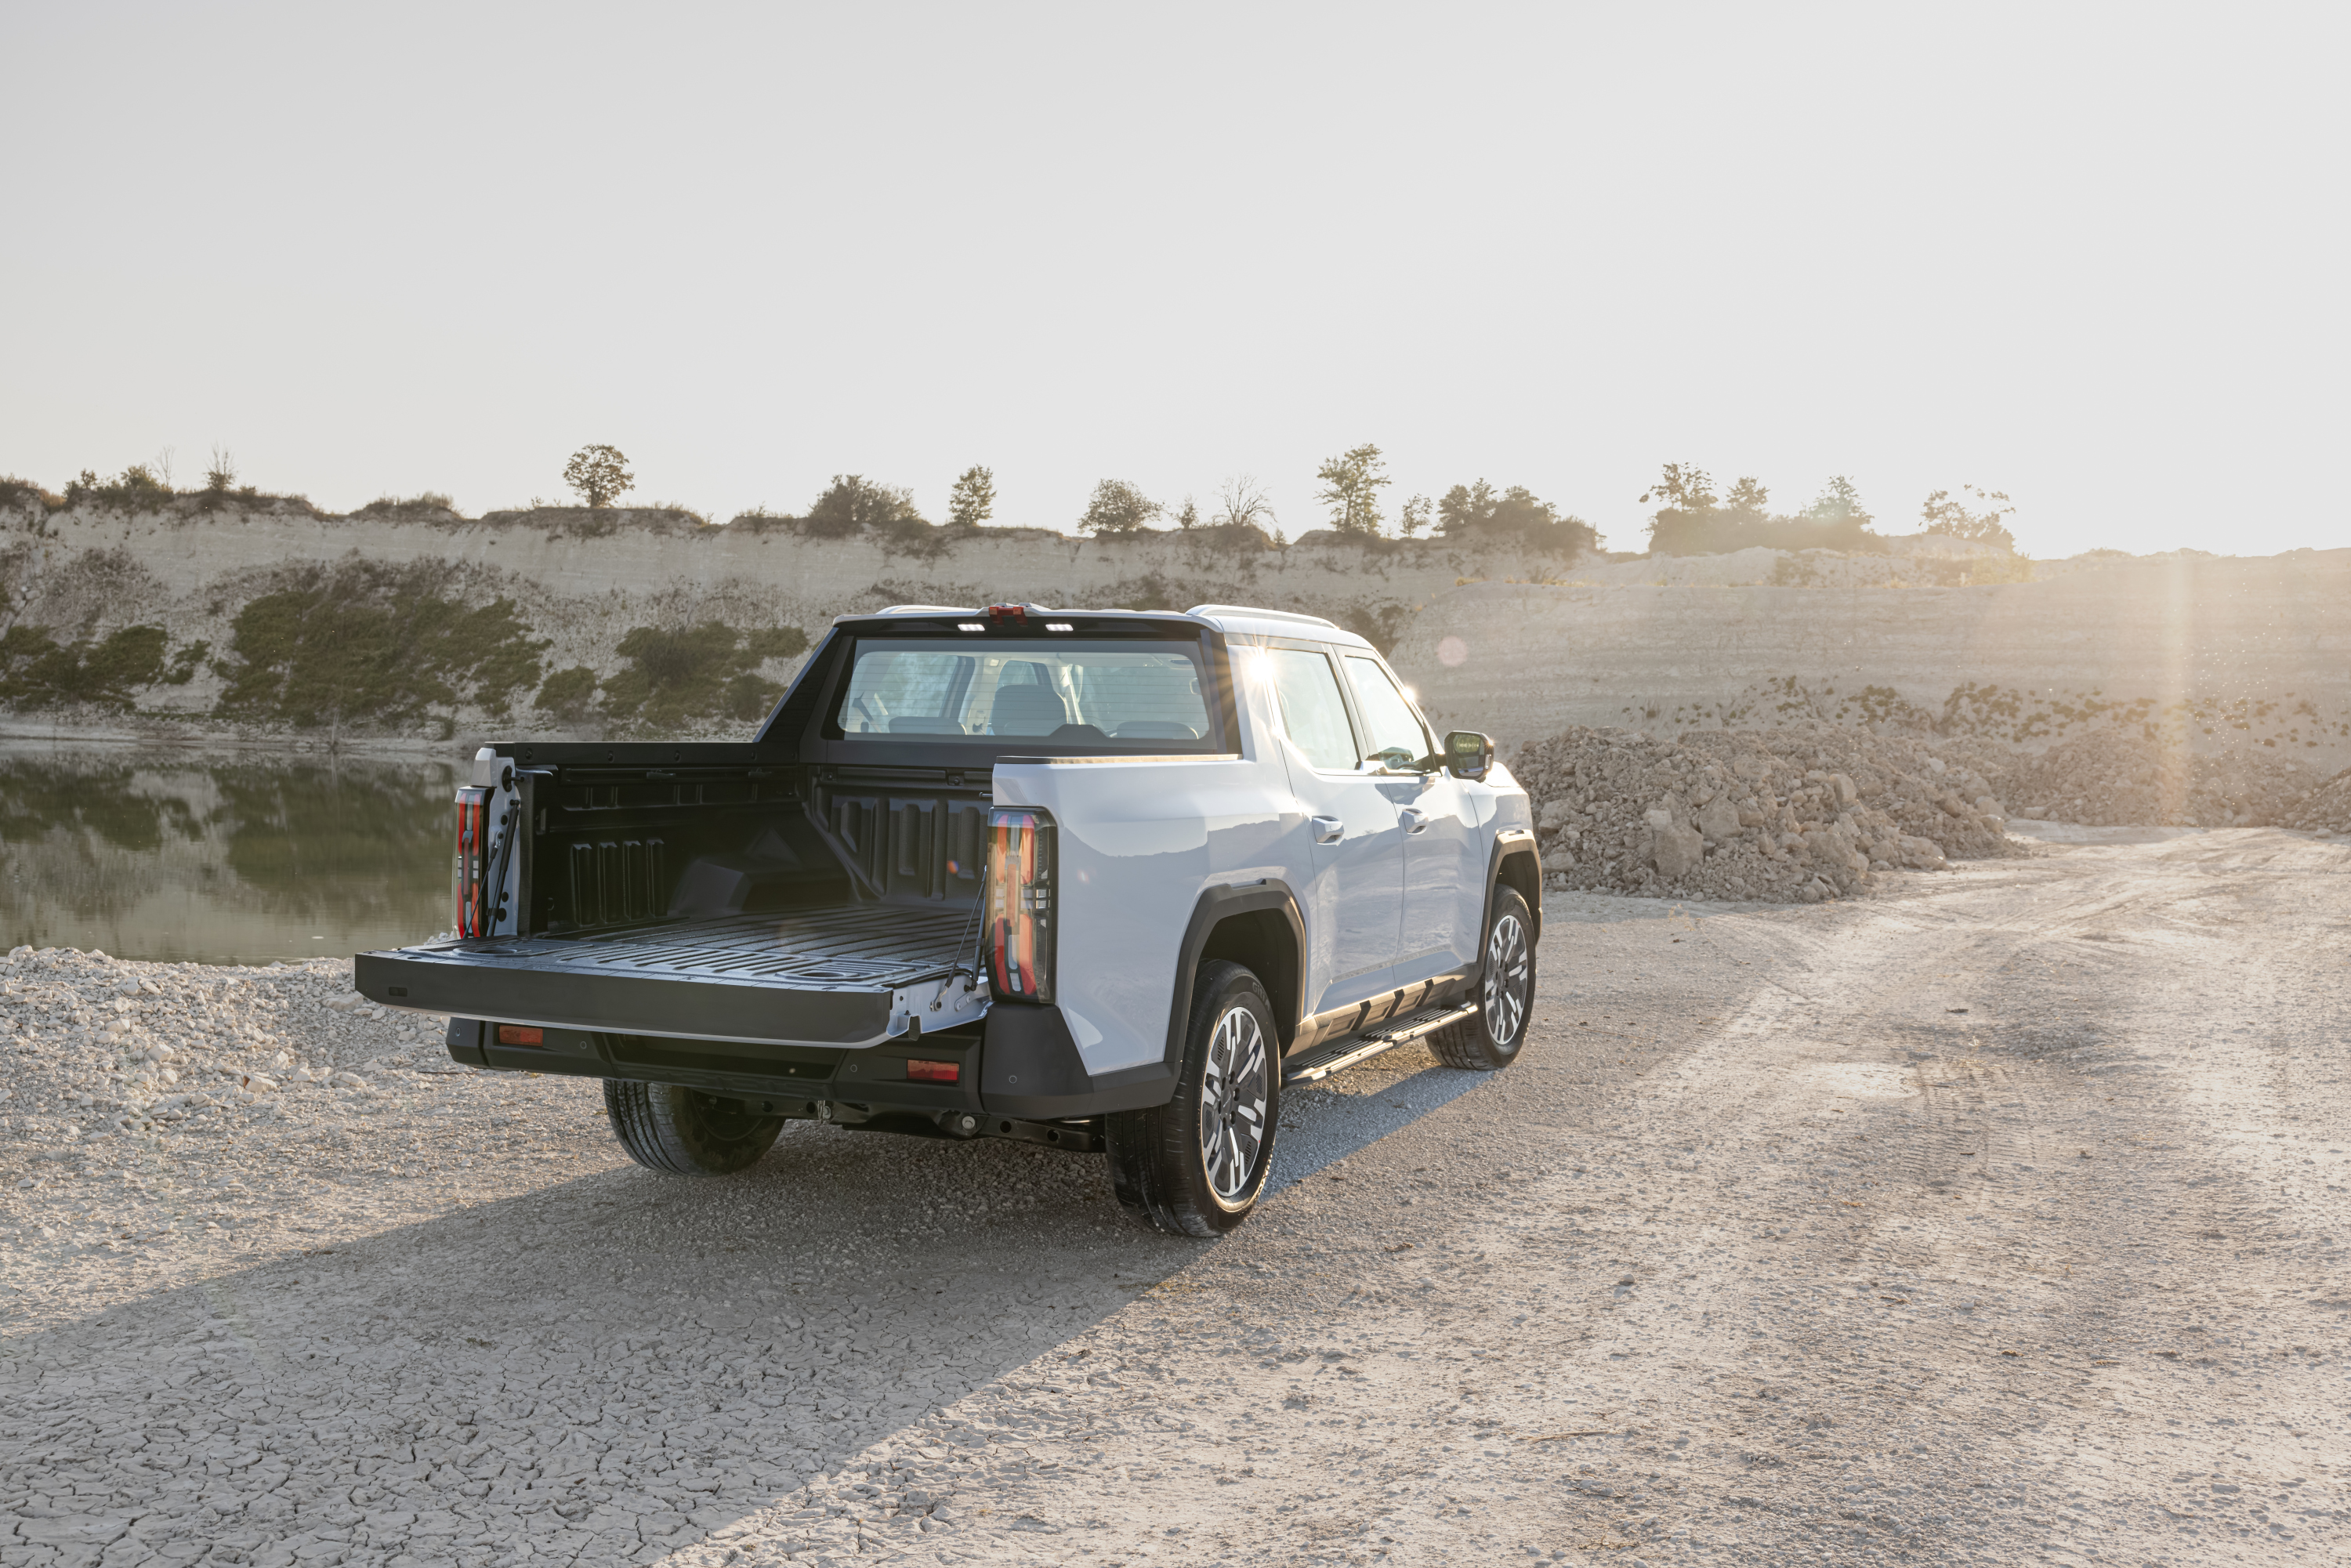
point(1506, 991)
point(678, 1131)
point(1196, 1165)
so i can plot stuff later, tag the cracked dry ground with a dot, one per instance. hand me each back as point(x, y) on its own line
point(1767, 1251)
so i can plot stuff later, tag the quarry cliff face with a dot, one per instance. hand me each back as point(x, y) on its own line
point(2213, 653)
point(273, 619)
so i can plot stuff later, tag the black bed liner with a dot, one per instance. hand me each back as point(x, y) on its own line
point(830, 975)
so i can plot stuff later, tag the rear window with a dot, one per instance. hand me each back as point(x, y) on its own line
point(1150, 697)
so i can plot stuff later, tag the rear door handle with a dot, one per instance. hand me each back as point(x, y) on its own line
point(1414, 820)
point(1327, 830)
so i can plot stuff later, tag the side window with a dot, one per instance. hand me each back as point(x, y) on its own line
point(1311, 709)
point(1396, 738)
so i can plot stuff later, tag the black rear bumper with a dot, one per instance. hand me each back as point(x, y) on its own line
point(1019, 1061)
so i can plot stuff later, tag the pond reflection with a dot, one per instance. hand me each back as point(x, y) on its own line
point(218, 858)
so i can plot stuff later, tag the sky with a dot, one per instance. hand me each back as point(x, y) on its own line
point(2088, 255)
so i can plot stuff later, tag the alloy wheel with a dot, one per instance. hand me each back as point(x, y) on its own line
point(1506, 972)
point(1233, 1095)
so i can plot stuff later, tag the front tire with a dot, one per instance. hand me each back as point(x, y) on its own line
point(1197, 1164)
point(678, 1131)
point(1506, 991)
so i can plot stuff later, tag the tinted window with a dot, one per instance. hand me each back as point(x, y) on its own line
point(1397, 737)
point(1146, 696)
point(1311, 709)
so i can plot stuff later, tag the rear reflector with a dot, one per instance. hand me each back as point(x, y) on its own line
point(934, 1072)
point(520, 1034)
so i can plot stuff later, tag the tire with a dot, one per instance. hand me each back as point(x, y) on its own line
point(678, 1131)
point(1506, 990)
point(1197, 1164)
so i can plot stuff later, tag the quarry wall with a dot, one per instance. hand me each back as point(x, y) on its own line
point(2220, 652)
point(580, 584)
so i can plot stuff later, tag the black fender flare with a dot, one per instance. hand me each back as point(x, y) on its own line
point(1216, 905)
point(1511, 844)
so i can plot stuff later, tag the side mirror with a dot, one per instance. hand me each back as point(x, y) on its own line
point(1468, 755)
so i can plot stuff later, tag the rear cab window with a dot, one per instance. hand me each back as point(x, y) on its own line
point(1105, 696)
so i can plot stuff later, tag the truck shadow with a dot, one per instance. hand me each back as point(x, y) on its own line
point(619, 1356)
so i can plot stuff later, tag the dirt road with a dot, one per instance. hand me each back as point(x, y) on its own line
point(2000, 1217)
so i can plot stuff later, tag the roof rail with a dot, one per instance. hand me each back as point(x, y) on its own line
point(1254, 612)
point(927, 610)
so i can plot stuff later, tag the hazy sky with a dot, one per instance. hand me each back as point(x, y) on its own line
point(2093, 256)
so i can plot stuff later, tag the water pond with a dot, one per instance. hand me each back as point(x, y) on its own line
point(221, 857)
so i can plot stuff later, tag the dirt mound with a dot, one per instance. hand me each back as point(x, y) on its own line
point(1791, 815)
point(2114, 778)
point(2326, 810)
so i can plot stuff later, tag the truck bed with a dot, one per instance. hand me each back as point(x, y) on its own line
point(833, 975)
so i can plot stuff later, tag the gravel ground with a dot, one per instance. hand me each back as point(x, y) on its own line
point(1999, 1215)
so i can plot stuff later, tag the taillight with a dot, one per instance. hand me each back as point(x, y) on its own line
point(520, 1034)
point(1020, 903)
point(934, 1072)
point(473, 886)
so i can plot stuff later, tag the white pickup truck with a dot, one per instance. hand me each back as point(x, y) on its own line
point(1103, 880)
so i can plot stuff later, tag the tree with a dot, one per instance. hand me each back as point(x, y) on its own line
point(1465, 508)
point(1187, 515)
point(1839, 502)
point(600, 474)
point(1243, 503)
point(1748, 497)
point(1351, 487)
point(972, 500)
point(1517, 513)
point(1413, 517)
point(1682, 487)
point(852, 503)
point(1117, 507)
point(1952, 519)
point(221, 478)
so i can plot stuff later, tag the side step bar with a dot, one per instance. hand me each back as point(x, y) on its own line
point(1320, 1062)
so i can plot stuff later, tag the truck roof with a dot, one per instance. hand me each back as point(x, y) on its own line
point(1234, 620)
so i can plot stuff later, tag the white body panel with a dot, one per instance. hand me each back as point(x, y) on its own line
point(1141, 839)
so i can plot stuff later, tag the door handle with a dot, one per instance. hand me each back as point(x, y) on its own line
point(1327, 830)
point(1414, 819)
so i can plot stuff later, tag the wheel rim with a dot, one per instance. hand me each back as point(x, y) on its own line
point(1507, 973)
point(1232, 1103)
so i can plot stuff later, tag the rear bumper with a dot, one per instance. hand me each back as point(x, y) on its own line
point(1019, 1063)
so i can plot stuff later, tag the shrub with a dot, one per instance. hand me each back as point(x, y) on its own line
point(423, 501)
point(368, 642)
point(567, 694)
point(37, 670)
point(15, 492)
point(701, 672)
point(137, 487)
point(1117, 507)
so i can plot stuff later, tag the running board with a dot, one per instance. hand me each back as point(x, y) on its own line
point(1320, 1062)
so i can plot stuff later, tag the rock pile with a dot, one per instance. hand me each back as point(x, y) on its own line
point(1791, 815)
point(2326, 810)
point(2116, 778)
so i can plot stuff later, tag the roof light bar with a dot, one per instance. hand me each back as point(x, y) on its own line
point(1059, 626)
point(971, 625)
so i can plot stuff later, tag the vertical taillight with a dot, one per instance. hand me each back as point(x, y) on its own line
point(473, 884)
point(1020, 903)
